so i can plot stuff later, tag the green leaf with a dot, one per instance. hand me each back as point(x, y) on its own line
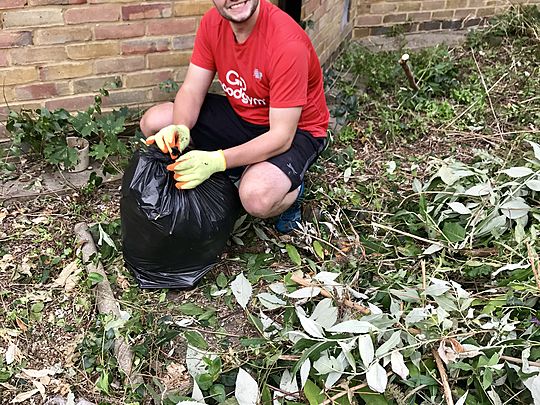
point(266, 396)
point(191, 309)
point(221, 280)
point(313, 393)
point(103, 382)
point(195, 339)
point(453, 231)
point(205, 381)
point(319, 251)
point(217, 391)
point(371, 398)
point(37, 307)
point(293, 254)
point(95, 278)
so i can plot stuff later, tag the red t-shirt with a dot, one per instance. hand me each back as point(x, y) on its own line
point(276, 67)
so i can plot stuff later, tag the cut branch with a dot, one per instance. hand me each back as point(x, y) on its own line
point(305, 283)
point(105, 301)
point(406, 68)
point(444, 378)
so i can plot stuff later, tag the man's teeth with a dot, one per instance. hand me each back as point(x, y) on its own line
point(238, 5)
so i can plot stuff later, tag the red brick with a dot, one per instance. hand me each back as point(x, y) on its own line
point(27, 55)
point(54, 2)
point(183, 42)
point(62, 35)
point(144, 46)
point(41, 90)
point(6, 4)
point(383, 8)
point(75, 103)
point(177, 26)
point(368, 20)
point(138, 12)
point(3, 59)
point(119, 31)
point(156, 94)
point(123, 64)
point(80, 15)
point(11, 39)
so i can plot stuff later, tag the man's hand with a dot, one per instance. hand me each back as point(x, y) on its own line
point(196, 166)
point(172, 136)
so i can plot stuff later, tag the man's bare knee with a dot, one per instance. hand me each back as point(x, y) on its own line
point(258, 203)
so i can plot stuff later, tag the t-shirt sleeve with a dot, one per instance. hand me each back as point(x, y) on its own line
point(202, 55)
point(289, 81)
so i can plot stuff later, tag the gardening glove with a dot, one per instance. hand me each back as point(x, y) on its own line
point(172, 136)
point(196, 166)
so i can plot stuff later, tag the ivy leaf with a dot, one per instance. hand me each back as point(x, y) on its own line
point(293, 254)
point(99, 151)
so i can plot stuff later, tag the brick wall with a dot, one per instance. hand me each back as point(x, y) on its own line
point(379, 17)
point(58, 53)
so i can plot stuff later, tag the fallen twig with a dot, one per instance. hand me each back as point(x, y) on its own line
point(444, 378)
point(533, 259)
point(105, 301)
point(305, 283)
point(358, 387)
point(519, 361)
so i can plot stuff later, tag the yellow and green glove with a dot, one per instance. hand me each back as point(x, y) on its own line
point(172, 136)
point(196, 166)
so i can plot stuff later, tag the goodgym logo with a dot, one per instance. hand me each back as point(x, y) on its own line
point(236, 87)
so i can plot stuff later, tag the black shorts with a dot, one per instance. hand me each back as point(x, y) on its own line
point(219, 127)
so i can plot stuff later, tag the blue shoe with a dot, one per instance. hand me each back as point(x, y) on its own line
point(290, 219)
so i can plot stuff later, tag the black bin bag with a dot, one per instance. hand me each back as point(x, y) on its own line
point(172, 238)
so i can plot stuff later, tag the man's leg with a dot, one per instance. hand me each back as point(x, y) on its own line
point(156, 118)
point(265, 190)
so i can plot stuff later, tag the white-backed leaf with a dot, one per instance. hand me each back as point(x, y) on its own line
point(398, 365)
point(536, 149)
point(347, 174)
point(197, 394)
point(459, 208)
point(310, 326)
point(190, 403)
point(325, 314)
point(305, 292)
point(10, 353)
point(434, 248)
point(376, 378)
point(326, 277)
point(270, 301)
point(241, 288)
point(366, 349)
point(352, 326)
point(278, 288)
point(533, 185)
point(331, 379)
point(479, 190)
point(515, 209)
point(461, 401)
point(288, 384)
point(517, 172)
point(392, 342)
point(346, 351)
point(304, 372)
point(246, 390)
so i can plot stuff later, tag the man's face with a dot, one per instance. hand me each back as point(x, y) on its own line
point(236, 11)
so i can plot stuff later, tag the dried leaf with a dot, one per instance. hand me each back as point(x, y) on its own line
point(23, 396)
point(11, 353)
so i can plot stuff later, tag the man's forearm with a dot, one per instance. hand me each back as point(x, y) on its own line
point(187, 105)
point(258, 149)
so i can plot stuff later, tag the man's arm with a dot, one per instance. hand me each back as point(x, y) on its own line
point(283, 123)
point(189, 99)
